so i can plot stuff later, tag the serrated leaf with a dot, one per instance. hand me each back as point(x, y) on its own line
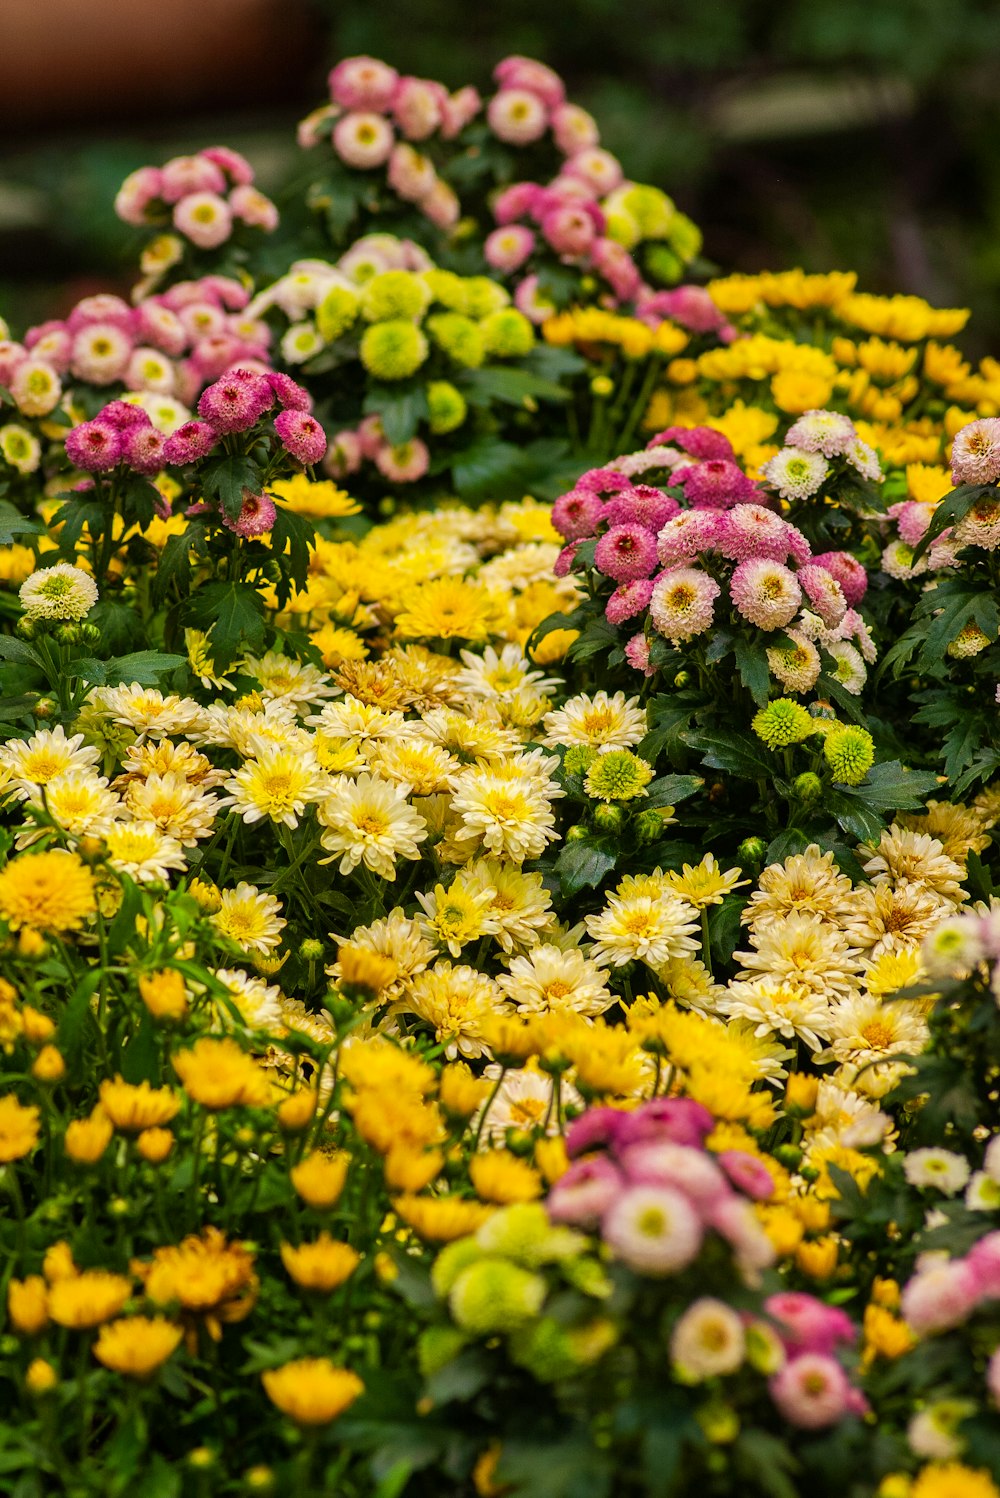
point(233, 615)
point(297, 534)
point(737, 753)
point(401, 408)
point(890, 786)
point(488, 469)
point(955, 506)
point(14, 649)
point(512, 386)
point(583, 864)
point(13, 524)
point(751, 662)
point(226, 477)
point(670, 790)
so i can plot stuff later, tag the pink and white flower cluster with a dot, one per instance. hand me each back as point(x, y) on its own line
point(657, 1196)
point(710, 534)
point(168, 345)
point(813, 445)
point(204, 197)
point(945, 1292)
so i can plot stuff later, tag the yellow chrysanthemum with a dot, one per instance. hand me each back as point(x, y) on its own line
point(51, 891)
point(137, 1346)
point(312, 1391)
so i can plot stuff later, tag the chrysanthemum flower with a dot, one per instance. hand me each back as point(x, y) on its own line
point(707, 1341)
point(455, 1002)
point(137, 1346)
point(446, 608)
point(85, 1300)
point(796, 473)
point(783, 722)
point(850, 752)
point(249, 918)
point(58, 592)
point(322, 1265)
point(617, 775)
point(455, 916)
point(369, 820)
point(19, 1129)
point(278, 784)
point(682, 604)
point(826, 432)
point(765, 592)
point(653, 1230)
point(131, 1107)
point(219, 1074)
point(510, 816)
point(795, 666)
point(178, 808)
point(142, 851)
point(652, 930)
point(51, 891)
point(548, 978)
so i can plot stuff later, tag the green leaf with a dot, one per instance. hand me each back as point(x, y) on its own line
point(233, 615)
point(14, 649)
point(736, 752)
point(488, 469)
point(225, 479)
point(297, 534)
point(583, 864)
point(955, 506)
point(141, 1056)
point(669, 790)
point(76, 1017)
point(174, 565)
point(512, 386)
point(14, 524)
point(892, 787)
point(851, 813)
point(597, 636)
point(401, 408)
point(751, 662)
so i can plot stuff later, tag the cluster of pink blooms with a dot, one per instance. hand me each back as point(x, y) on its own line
point(203, 196)
point(975, 453)
point(975, 459)
point(121, 436)
point(647, 1183)
point(170, 344)
point(945, 1292)
point(400, 463)
point(671, 551)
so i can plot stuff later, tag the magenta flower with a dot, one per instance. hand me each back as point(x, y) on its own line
point(256, 517)
point(576, 515)
point(626, 552)
point(142, 448)
point(629, 599)
point(236, 167)
point(765, 592)
point(569, 229)
point(290, 393)
point(716, 484)
point(637, 654)
point(704, 443)
point(301, 435)
point(753, 531)
point(189, 442)
point(233, 404)
point(643, 505)
point(94, 445)
point(807, 1324)
point(812, 1391)
point(598, 1126)
point(984, 1261)
point(524, 72)
point(824, 593)
point(680, 1120)
point(679, 1166)
point(123, 414)
point(603, 481)
point(563, 564)
point(748, 1173)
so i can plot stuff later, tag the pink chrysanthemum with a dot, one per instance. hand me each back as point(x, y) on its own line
point(687, 534)
point(101, 352)
point(912, 519)
point(291, 395)
point(183, 175)
point(363, 140)
point(753, 531)
point(765, 592)
point(748, 1173)
point(849, 572)
point(137, 192)
point(612, 261)
point(517, 117)
point(807, 1324)
point(812, 1391)
point(524, 72)
point(508, 247)
point(94, 445)
point(235, 166)
point(142, 449)
point(603, 481)
point(585, 1192)
point(642, 505)
point(563, 564)
point(628, 600)
point(626, 552)
point(637, 655)
point(569, 230)
point(597, 168)
point(417, 107)
point(234, 404)
point(703, 443)
point(441, 205)
point(940, 1297)
point(301, 435)
point(103, 307)
point(716, 484)
point(573, 129)
point(411, 175)
point(458, 109)
point(975, 452)
point(204, 218)
point(824, 593)
point(192, 440)
point(50, 340)
point(254, 208)
point(343, 456)
point(577, 514)
point(404, 463)
point(362, 83)
point(693, 308)
point(682, 604)
point(123, 414)
point(256, 517)
point(520, 200)
point(826, 432)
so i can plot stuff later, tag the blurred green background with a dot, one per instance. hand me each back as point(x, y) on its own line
point(824, 133)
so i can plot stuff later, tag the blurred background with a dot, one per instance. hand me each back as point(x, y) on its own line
point(831, 134)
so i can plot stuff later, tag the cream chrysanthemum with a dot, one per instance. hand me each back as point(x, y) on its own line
point(864, 1032)
point(548, 979)
point(902, 854)
point(705, 884)
point(31, 763)
point(185, 811)
point(350, 718)
point(508, 814)
point(520, 907)
point(59, 592)
point(455, 1002)
point(780, 1007)
point(294, 682)
point(803, 951)
point(808, 883)
point(455, 916)
point(147, 711)
point(142, 851)
point(473, 739)
point(279, 784)
point(959, 829)
point(399, 938)
point(425, 767)
point(654, 931)
point(259, 1004)
point(523, 1102)
point(79, 801)
point(887, 917)
point(499, 675)
point(370, 821)
point(252, 730)
point(617, 722)
point(249, 918)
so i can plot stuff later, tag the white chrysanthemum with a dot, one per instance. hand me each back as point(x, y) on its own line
point(455, 1002)
point(940, 1168)
point(983, 1193)
point(479, 738)
point(250, 918)
point(185, 811)
point(252, 731)
point(689, 982)
point(808, 883)
point(865, 1032)
point(707, 1341)
point(594, 721)
point(398, 937)
point(803, 951)
point(509, 814)
point(779, 1007)
point(848, 665)
point(887, 917)
point(147, 711)
point(520, 907)
point(647, 458)
point(455, 916)
point(797, 665)
point(142, 851)
point(917, 857)
point(826, 432)
point(259, 1004)
point(294, 682)
point(523, 1102)
point(842, 1117)
point(59, 592)
point(32, 763)
point(370, 821)
point(493, 675)
point(864, 458)
point(548, 979)
point(279, 784)
point(79, 801)
point(654, 931)
point(796, 474)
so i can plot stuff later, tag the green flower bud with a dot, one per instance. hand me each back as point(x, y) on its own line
point(578, 833)
point(808, 787)
point(578, 759)
point(446, 407)
point(451, 1261)
point(459, 337)
point(507, 334)
point(394, 293)
point(751, 851)
point(618, 775)
point(337, 312)
point(648, 827)
point(311, 950)
point(850, 753)
point(609, 818)
point(782, 722)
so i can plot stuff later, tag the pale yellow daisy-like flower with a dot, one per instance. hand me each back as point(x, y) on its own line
point(617, 722)
point(338, 756)
point(808, 883)
point(446, 608)
point(688, 981)
point(252, 727)
point(509, 814)
point(294, 682)
point(147, 711)
point(79, 801)
point(202, 662)
point(654, 931)
point(892, 970)
point(337, 643)
point(474, 738)
point(350, 718)
point(524, 1102)
point(279, 784)
point(804, 951)
point(902, 854)
point(249, 918)
point(142, 851)
point(780, 1007)
point(163, 757)
point(258, 1004)
point(398, 937)
point(843, 1117)
point(864, 1029)
point(425, 767)
point(887, 917)
point(959, 829)
point(499, 675)
point(370, 821)
point(455, 916)
point(455, 1002)
point(705, 884)
point(520, 907)
point(547, 978)
point(185, 811)
point(37, 761)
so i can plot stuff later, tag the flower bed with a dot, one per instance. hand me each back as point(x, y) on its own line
point(499, 786)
